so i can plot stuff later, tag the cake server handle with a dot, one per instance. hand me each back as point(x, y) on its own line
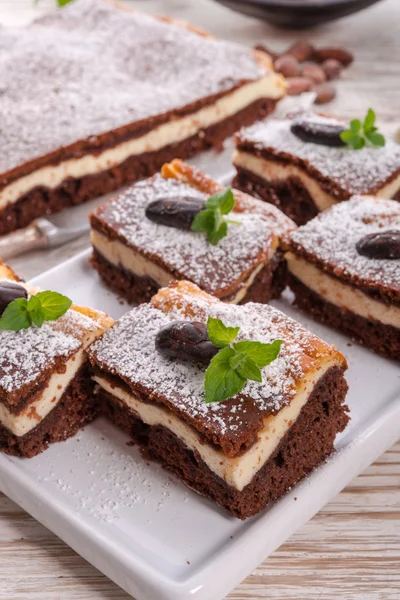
point(23, 240)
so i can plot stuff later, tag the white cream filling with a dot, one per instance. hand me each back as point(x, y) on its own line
point(163, 135)
point(120, 255)
point(35, 412)
point(275, 171)
point(340, 294)
point(236, 472)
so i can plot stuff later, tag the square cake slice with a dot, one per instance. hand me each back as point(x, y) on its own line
point(296, 164)
point(243, 452)
point(96, 95)
point(46, 391)
point(136, 255)
point(344, 268)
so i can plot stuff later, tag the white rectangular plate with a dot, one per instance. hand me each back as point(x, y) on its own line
point(143, 528)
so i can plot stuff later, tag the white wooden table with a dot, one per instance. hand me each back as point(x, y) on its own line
point(351, 549)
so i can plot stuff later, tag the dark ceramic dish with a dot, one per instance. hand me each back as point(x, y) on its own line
point(297, 13)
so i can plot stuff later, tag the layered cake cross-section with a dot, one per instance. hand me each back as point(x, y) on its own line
point(144, 238)
point(344, 268)
point(96, 95)
point(46, 390)
point(250, 448)
point(301, 165)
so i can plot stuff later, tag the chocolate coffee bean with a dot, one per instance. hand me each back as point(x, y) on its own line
point(186, 340)
point(287, 65)
point(325, 134)
point(341, 54)
point(314, 72)
point(325, 93)
point(174, 212)
point(298, 85)
point(10, 291)
point(380, 245)
point(301, 50)
point(332, 68)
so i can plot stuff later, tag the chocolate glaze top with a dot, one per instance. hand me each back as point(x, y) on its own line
point(187, 254)
point(128, 351)
point(345, 171)
point(92, 68)
point(330, 240)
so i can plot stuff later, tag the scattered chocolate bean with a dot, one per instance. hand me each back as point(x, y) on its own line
point(186, 340)
point(315, 132)
point(287, 65)
point(314, 72)
point(301, 50)
point(340, 54)
point(10, 291)
point(174, 212)
point(298, 85)
point(380, 245)
point(325, 93)
point(332, 68)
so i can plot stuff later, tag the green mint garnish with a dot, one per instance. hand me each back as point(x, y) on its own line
point(364, 132)
point(212, 220)
point(235, 363)
point(44, 306)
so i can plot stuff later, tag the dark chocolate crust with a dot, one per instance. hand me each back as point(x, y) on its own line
point(309, 441)
point(383, 339)
point(43, 201)
point(77, 407)
point(268, 284)
point(290, 196)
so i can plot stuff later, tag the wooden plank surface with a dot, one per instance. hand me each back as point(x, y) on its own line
point(351, 549)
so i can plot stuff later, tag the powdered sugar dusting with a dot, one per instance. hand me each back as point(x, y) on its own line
point(26, 354)
point(186, 254)
point(353, 171)
point(92, 68)
point(128, 351)
point(332, 237)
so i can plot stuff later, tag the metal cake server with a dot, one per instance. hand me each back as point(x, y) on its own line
point(39, 235)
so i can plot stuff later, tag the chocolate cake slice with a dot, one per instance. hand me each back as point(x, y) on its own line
point(46, 391)
point(274, 162)
point(95, 96)
point(344, 268)
point(136, 255)
point(243, 452)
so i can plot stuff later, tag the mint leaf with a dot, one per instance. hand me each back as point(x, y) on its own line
point(377, 139)
point(34, 308)
point(224, 200)
point(237, 360)
point(54, 305)
point(216, 236)
point(63, 2)
point(355, 125)
point(204, 221)
point(359, 133)
point(262, 354)
point(219, 334)
point(211, 220)
point(248, 369)
point(16, 316)
point(369, 121)
point(221, 381)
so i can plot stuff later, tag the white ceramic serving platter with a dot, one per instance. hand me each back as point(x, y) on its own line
point(143, 528)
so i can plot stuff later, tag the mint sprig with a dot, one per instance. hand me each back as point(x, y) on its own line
point(236, 362)
point(44, 306)
point(212, 220)
point(361, 133)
